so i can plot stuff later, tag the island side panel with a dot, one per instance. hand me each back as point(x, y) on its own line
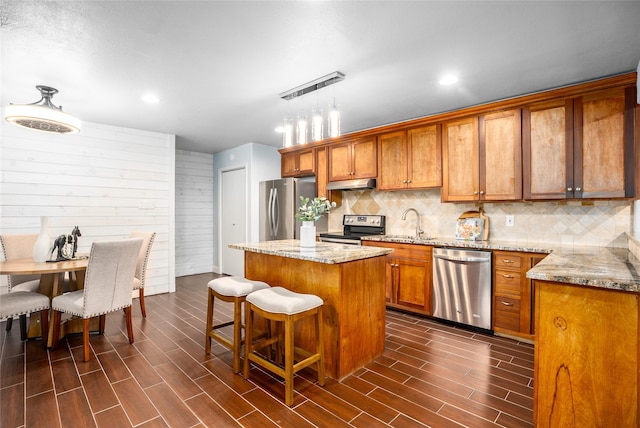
point(586, 356)
point(353, 310)
point(363, 313)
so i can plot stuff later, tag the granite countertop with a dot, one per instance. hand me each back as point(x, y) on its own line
point(616, 268)
point(526, 247)
point(323, 252)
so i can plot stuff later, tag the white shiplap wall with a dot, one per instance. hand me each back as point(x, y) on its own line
point(194, 213)
point(107, 180)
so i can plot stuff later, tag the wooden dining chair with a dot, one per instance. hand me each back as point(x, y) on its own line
point(107, 288)
point(19, 247)
point(141, 267)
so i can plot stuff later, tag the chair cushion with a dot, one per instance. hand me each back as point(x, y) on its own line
point(71, 303)
point(22, 302)
point(32, 286)
point(279, 300)
point(236, 286)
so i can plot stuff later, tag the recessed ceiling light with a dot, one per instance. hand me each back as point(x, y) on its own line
point(449, 79)
point(279, 129)
point(150, 99)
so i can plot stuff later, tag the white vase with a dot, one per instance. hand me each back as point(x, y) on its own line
point(308, 234)
point(42, 246)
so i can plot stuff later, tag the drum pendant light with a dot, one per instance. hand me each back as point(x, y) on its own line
point(43, 115)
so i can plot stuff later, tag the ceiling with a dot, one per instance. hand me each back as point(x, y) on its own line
point(218, 67)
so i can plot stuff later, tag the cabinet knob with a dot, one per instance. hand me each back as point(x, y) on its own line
point(578, 189)
point(507, 276)
point(569, 189)
point(408, 181)
point(475, 193)
point(506, 303)
point(482, 192)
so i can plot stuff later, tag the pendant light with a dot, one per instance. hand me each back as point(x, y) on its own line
point(43, 115)
point(301, 129)
point(334, 120)
point(316, 122)
point(287, 132)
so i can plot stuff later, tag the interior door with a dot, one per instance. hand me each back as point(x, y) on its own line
point(233, 220)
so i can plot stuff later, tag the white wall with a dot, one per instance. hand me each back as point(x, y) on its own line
point(262, 163)
point(107, 180)
point(194, 213)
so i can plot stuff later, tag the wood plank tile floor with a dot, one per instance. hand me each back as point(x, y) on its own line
point(430, 375)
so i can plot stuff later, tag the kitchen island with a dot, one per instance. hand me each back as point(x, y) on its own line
point(350, 279)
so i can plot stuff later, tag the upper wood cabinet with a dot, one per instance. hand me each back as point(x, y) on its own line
point(322, 176)
point(581, 147)
point(353, 159)
point(300, 163)
point(410, 159)
point(482, 158)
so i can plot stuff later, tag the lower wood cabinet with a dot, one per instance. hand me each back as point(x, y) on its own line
point(512, 293)
point(586, 364)
point(408, 276)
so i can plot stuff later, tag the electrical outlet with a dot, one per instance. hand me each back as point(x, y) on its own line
point(510, 221)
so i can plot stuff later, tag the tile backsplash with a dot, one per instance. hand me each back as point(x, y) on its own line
point(599, 223)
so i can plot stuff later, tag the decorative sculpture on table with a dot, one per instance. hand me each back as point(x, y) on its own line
point(67, 245)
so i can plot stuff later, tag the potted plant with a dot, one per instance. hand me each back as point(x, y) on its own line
point(308, 213)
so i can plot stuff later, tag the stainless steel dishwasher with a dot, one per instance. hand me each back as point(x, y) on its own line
point(462, 286)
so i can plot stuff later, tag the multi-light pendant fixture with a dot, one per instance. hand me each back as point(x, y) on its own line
point(317, 118)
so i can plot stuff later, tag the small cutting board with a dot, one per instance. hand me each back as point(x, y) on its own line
point(473, 226)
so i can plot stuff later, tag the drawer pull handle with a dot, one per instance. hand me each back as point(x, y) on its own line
point(507, 303)
point(507, 261)
point(507, 276)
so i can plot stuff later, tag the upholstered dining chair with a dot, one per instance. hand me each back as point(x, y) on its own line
point(20, 247)
point(107, 288)
point(21, 303)
point(141, 267)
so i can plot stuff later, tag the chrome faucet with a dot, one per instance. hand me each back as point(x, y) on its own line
point(419, 231)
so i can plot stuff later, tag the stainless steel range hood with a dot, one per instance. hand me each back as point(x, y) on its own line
point(355, 184)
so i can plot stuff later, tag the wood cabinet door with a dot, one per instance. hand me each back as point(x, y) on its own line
point(413, 286)
point(500, 154)
point(424, 157)
point(365, 158)
point(306, 162)
point(586, 357)
point(547, 150)
point(603, 132)
point(340, 165)
point(289, 164)
point(392, 161)
point(460, 158)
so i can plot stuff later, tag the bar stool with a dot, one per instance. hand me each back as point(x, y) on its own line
point(284, 307)
point(229, 289)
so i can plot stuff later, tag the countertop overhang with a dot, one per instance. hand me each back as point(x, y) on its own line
point(323, 252)
point(615, 268)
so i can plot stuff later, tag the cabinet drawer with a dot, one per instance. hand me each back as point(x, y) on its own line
point(507, 313)
point(405, 251)
point(508, 261)
point(507, 282)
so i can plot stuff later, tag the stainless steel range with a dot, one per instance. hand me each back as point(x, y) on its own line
point(355, 227)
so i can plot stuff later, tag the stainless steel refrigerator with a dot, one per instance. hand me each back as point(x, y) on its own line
point(279, 202)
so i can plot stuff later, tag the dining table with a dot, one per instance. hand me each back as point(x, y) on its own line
point(52, 284)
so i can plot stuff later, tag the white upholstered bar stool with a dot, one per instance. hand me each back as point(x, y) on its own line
point(285, 307)
point(230, 289)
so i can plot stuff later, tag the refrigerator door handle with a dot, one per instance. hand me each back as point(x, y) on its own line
point(270, 213)
point(275, 210)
